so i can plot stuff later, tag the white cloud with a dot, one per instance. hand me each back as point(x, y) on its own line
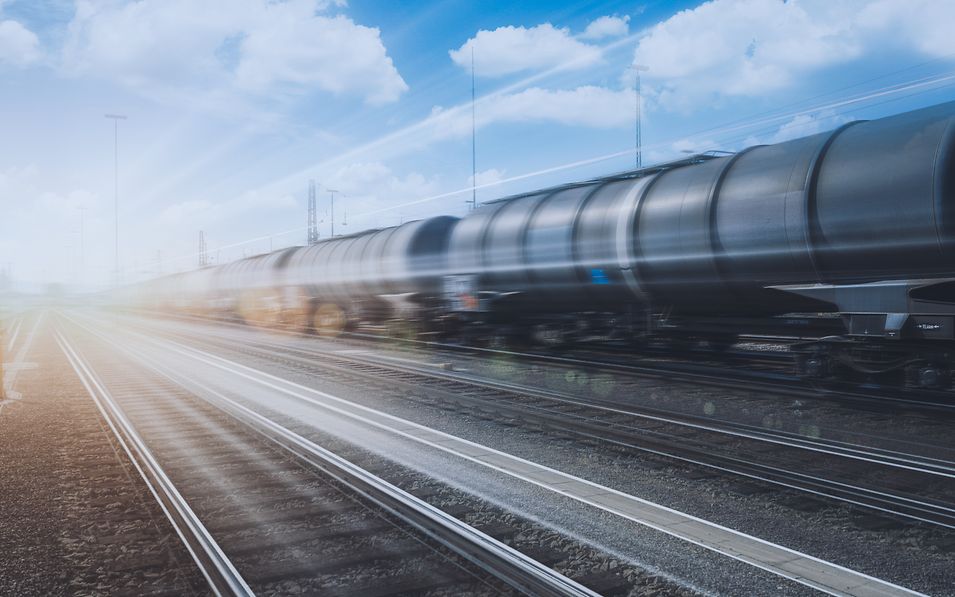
point(925, 25)
point(740, 48)
point(18, 45)
point(508, 50)
point(30, 205)
point(749, 48)
point(588, 106)
point(255, 46)
point(584, 106)
point(369, 187)
point(374, 180)
point(486, 177)
point(804, 125)
point(607, 26)
point(18, 184)
point(334, 54)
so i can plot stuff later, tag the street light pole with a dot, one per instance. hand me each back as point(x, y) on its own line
point(82, 210)
point(473, 204)
point(332, 193)
point(116, 118)
point(638, 142)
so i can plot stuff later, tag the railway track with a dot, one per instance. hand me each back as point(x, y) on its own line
point(726, 370)
point(889, 482)
point(623, 505)
point(262, 508)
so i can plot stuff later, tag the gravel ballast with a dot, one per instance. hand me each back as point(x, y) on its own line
point(75, 516)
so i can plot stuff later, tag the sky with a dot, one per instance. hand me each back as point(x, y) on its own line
point(232, 106)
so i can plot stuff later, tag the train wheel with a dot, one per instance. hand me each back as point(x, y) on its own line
point(815, 366)
point(931, 376)
point(329, 320)
point(548, 335)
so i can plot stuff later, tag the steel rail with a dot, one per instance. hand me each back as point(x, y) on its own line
point(505, 563)
point(886, 502)
point(682, 526)
point(220, 573)
point(925, 465)
point(751, 380)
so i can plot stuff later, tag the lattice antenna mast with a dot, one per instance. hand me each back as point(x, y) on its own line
point(312, 237)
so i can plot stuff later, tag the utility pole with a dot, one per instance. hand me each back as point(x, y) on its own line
point(312, 235)
point(332, 193)
point(82, 211)
point(473, 202)
point(638, 142)
point(203, 255)
point(116, 118)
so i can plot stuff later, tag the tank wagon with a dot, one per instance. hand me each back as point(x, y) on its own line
point(857, 223)
point(845, 238)
point(371, 276)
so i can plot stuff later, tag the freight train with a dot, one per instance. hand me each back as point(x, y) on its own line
point(843, 239)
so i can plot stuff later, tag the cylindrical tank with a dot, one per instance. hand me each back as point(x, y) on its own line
point(552, 250)
point(885, 198)
point(871, 200)
point(406, 259)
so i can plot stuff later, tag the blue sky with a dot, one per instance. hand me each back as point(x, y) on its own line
point(233, 105)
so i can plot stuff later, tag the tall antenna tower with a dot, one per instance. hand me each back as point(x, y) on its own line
point(203, 252)
point(312, 236)
point(473, 202)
